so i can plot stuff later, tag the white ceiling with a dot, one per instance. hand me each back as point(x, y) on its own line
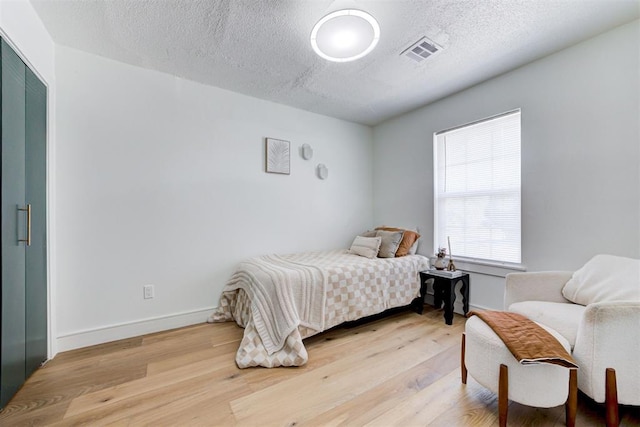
point(261, 47)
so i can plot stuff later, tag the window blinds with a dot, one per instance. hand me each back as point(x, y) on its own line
point(477, 189)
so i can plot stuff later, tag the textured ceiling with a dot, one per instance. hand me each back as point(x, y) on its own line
point(261, 47)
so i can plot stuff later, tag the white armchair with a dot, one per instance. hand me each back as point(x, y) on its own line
point(604, 334)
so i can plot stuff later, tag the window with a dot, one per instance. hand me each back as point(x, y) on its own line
point(477, 190)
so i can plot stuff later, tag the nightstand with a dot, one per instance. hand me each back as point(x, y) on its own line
point(444, 291)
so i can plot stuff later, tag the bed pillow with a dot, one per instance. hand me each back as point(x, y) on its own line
point(368, 233)
point(390, 243)
point(414, 248)
point(409, 243)
point(604, 278)
point(365, 246)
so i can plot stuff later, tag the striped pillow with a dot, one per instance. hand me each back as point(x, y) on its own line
point(365, 246)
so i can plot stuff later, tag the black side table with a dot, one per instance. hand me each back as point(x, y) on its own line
point(444, 291)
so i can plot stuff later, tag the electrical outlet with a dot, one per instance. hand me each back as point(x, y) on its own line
point(148, 291)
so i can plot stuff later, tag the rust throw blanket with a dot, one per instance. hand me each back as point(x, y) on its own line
point(528, 342)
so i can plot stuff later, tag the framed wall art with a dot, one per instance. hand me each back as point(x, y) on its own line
point(278, 156)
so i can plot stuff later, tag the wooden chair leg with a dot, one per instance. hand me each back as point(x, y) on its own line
point(611, 398)
point(463, 367)
point(572, 399)
point(503, 395)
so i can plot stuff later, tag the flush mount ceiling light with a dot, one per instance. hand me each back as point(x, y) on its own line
point(345, 35)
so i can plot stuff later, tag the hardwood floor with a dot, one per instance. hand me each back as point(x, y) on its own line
point(400, 370)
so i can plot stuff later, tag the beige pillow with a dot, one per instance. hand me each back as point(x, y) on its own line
point(365, 246)
point(409, 243)
point(390, 243)
point(368, 233)
point(604, 278)
point(414, 248)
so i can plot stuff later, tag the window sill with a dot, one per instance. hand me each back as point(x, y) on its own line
point(488, 268)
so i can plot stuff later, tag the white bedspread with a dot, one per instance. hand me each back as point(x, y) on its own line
point(283, 293)
point(280, 300)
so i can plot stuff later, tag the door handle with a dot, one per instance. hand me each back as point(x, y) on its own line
point(27, 209)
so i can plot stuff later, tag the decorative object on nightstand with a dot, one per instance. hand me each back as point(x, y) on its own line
point(451, 266)
point(440, 263)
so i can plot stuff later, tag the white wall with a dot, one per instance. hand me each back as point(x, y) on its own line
point(580, 156)
point(21, 27)
point(161, 181)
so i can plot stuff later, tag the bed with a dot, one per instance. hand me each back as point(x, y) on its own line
point(280, 300)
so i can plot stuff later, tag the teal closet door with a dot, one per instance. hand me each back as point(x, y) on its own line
point(36, 196)
point(23, 260)
point(12, 328)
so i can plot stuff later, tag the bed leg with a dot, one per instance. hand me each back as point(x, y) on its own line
point(417, 305)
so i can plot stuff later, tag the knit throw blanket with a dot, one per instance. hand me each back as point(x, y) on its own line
point(284, 295)
point(528, 342)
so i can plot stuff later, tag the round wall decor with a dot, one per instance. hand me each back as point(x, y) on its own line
point(323, 172)
point(307, 151)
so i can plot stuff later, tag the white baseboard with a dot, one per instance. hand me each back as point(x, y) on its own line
point(136, 328)
point(473, 307)
point(131, 329)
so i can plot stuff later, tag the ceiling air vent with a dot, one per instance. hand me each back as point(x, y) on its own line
point(421, 50)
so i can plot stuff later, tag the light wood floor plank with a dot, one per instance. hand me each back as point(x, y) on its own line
point(331, 385)
point(371, 404)
point(157, 405)
point(334, 345)
point(171, 363)
point(425, 405)
point(122, 392)
point(399, 370)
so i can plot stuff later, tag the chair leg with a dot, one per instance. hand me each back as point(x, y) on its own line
point(503, 395)
point(572, 399)
point(611, 398)
point(463, 367)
